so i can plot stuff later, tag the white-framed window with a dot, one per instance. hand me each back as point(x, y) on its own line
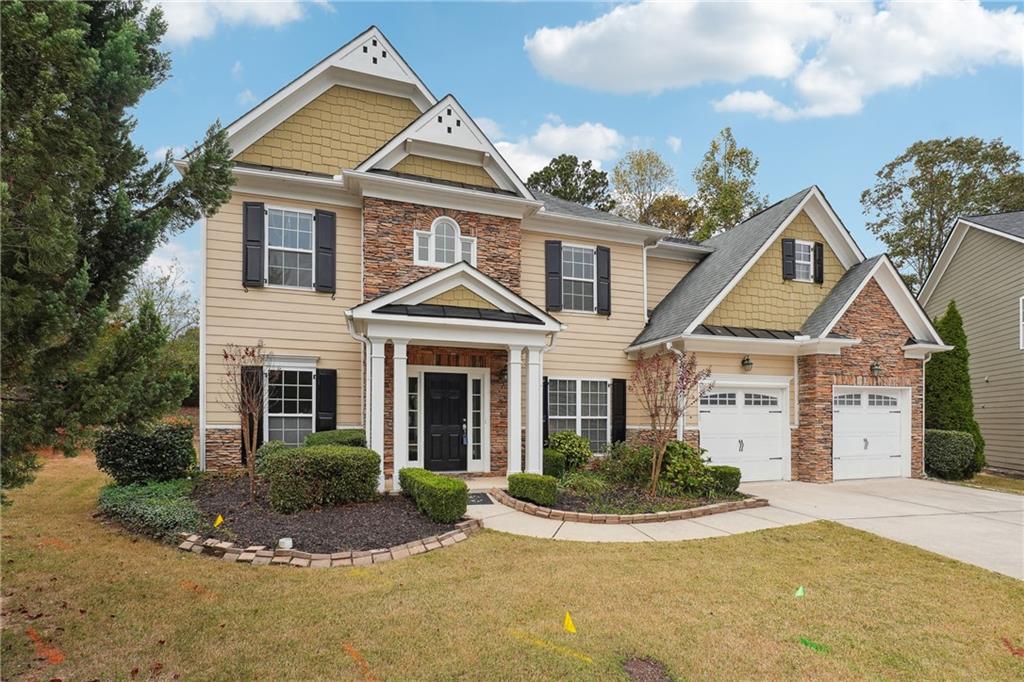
point(290, 403)
point(289, 253)
point(414, 424)
point(443, 244)
point(581, 406)
point(579, 278)
point(804, 259)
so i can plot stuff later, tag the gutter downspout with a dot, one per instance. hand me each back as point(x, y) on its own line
point(366, 368)
point(644, 268)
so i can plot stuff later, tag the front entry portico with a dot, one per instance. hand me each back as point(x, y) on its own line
point(445, 383)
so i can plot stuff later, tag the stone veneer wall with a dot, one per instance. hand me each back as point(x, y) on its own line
point(873, 319)
point(440, 356)
point(388, 244)
point(223, 449)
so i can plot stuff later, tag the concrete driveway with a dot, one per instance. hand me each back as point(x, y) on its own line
point(979, 527)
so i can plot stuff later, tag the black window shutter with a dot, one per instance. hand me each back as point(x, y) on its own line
point(788, 259)
point(604, 280)
point(819, 262)
point(251, 376)
point(325, 251)
point(326, 399)
point(553, 274)
point(618, 410)
point(544, 402)
point(252, 244)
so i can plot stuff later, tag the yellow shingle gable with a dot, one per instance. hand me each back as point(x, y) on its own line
point(444, 170)
point(337, 130)
point(462, 297)
point(762, 299)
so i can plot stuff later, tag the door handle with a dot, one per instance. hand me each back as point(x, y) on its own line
point(741, 445)
point(865, 443)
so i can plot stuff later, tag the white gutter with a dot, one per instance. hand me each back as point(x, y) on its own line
point(350, 323)
point(800, 345)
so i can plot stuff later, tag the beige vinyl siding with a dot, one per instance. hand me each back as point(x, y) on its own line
point(441, 169)
point(764, 300)
point(729, 363)
point(592, 346)
point(288, 321)
point(986, 279)
point(662, 275)
point(337, 130)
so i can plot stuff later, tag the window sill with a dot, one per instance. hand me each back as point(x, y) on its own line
point(285, 287)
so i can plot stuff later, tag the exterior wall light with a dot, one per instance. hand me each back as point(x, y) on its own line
point(746, 363)
point(876, 369)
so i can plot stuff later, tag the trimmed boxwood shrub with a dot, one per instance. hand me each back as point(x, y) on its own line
point(156, 453)
point(575, 449)
point(356, 437)
point(264, 450)
point(554, 463)
point(158, 509)
point(726, 479)
point(535, 488)
point(300, 478)
point(949, 454)
point(442, 499)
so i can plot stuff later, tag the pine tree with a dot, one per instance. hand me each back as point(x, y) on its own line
point(82, 210)
point(949, 402)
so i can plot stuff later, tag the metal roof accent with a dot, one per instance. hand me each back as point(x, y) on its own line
point(752, 333)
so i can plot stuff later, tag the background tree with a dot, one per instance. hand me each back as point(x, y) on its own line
point(675, 213)
point(243, 395)
point(168, 290)
point(666, 387)
point(918, 196)
point(948, 399)
point(566, 177)
point(82, 209)
point(639, 178)
point(725, 182)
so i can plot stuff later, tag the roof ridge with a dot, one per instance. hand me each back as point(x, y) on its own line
point(989, 215)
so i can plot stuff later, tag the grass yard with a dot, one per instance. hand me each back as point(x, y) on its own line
point(1003, 484)
point(83, 601)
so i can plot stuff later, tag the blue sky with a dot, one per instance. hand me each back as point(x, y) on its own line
point(822, 96)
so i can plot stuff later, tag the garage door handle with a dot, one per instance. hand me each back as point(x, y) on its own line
point(895, 456)
point(774, 458)
point(865, 443)
point(741, 445)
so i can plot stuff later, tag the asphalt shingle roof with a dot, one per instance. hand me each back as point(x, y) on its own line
point(732, 250)
point(1010, 223)
point(553, 204)
point(830, 306)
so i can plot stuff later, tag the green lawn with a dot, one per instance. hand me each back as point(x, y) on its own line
point(1003, 484)
point(105, 603)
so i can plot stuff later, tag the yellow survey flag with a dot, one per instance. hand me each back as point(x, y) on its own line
point(220, 520)
point(568, 624)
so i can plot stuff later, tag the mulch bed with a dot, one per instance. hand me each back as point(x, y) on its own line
point(646, 670)
point(390, 520)
point(630, 500)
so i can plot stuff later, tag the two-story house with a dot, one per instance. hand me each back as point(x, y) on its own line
point(406, 281)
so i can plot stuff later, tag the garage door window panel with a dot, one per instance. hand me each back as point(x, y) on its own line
point(760, 400)
point(719, 399)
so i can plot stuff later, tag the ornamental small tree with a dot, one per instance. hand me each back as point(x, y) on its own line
point(243, 394)
point(666, 386)
point(949, 402)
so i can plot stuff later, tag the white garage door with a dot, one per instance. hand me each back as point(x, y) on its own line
point(746, 428)
point(867, 433)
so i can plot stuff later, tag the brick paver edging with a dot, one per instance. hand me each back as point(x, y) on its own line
point(259, 555)
point(559, 515)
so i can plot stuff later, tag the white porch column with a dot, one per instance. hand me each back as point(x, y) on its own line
point(376, 400)
point(534, 427)
point(515, 408)
point(400, 406)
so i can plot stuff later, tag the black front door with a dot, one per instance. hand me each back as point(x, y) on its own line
point(444, 421)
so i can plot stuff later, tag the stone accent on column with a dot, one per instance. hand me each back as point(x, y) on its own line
point(223, 449)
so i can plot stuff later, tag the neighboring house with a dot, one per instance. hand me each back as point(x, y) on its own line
point(981, 267)
point(406, 281)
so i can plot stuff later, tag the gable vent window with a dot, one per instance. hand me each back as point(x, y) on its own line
point(289, 248)
point(804, 261)
point(443, 245)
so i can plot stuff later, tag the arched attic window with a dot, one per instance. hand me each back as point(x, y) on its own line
point(443, 244)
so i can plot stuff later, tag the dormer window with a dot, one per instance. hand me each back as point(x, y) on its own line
point(443, 244)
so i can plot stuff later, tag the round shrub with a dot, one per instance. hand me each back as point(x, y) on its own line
point(442, 499)
point(264, 450)
point(158, 509)
point(354, 437)
point(535, 488)
point(628, 463)
point(554, 463)
point(575, 449)
point(726, 480)
point(301, 478)
point(949, 454)
point(157, 453)
point(685, 471)
point(585, 483)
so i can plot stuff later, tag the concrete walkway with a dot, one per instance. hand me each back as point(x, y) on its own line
point(979, 527)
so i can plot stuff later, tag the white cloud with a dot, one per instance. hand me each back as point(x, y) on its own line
point(674, 143)
point(492, 129)
point(175, 254)
point(236, 70)
point(177, 152)
point(187, 21)
point(245, 98)
point(591, 141)
point(834, 56)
